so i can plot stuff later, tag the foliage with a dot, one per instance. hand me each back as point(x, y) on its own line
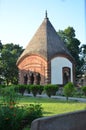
point(9, 95)
point(1, 46)
point(8, 59)
point(84, 89)
point(68, 89)
point(28, 88)
point(78, 93)
point(40, 89)
point(10, 117)
point(34, 89)
point(26, 128)
point(73, 45)
point(3, 85)
point(10, 114)
point(21, 88)
point(14, 116)
point(33, 111)
point(51, 89)
point(83, 57)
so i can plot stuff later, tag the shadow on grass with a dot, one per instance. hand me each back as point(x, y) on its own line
point(27, 99)
point(46, 112)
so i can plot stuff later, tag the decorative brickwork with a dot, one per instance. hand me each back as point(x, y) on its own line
point(36, 65)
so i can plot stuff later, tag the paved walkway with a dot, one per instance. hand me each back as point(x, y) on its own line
point(59, 97)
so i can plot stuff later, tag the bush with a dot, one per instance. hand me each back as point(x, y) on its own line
point(9, 95)
point(34, 89)
point(28, 88)
point(68, 89)
point(21, 88)
point(14, 117)
point(10, 114)
point(78, 92)
point(40, 89)
point(84, 90)
point(3, 85)
point(51, 89)
point(10, 117)
point(33, 111)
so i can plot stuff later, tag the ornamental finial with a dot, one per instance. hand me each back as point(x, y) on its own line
point(46, 14)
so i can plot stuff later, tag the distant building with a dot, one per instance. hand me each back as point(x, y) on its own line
point(46, 60)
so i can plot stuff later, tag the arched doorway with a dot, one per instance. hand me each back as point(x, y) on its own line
point(66, 75)
point(31, 78)
point(38, 78)
point(34, 78)
point(25, 79)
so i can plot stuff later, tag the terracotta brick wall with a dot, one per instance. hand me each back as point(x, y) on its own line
point(34, 63)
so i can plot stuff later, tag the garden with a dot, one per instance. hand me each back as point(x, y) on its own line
point(17, 111)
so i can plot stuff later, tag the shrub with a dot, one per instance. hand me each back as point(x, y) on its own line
point(78, 92)
point(51, 89)
point(9, 95)
point(33, 111)
point(68, 89)
point(3, 85)
point(34, 89)
point(10, 117)
point(84, 90)
point(21, 88)
point(54, 89)
point(40, 89)
point(10, 114)
point(28, 88)
point(14, 117)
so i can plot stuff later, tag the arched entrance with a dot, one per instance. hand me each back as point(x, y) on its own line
point(66, 75)
point(38, 78)
point(31, 78)
point(25, 79)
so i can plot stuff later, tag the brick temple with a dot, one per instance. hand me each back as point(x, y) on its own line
point(46, 60)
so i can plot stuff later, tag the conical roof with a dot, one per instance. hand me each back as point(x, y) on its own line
point(46, 43)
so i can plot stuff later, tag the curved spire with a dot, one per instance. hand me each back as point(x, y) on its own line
point(45, 43)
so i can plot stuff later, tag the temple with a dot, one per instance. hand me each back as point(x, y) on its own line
point(46, 60)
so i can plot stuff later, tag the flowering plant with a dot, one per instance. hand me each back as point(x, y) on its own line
point(11, 114)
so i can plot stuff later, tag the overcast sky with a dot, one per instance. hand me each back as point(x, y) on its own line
point(19, 19)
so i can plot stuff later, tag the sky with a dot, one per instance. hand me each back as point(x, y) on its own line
point(20, 19)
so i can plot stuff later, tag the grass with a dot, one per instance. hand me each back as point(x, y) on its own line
point(54, 106)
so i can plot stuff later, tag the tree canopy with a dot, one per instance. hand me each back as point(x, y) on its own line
point(83, 56)
point(8, 58)
point(73, 45)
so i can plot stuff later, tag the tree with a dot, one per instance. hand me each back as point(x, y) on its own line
point(72, 43)
point(1, 46)
point(68, 90)
point(83, 57)
point(9, 56)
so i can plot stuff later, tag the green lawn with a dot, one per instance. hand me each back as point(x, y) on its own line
point(54, 106)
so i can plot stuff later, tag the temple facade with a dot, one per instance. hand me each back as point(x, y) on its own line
point(46, 60)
